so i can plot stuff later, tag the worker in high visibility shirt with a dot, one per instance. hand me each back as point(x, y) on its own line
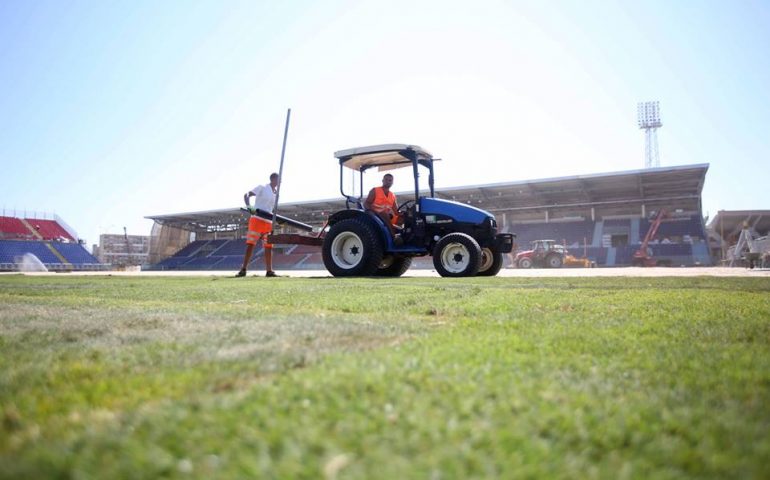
point(382, 202)
point(260, 228)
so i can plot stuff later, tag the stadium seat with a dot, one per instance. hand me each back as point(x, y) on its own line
point(569, 232)
point(75, 254)
point(10, 250)
point(49, 229)
point(13, 229)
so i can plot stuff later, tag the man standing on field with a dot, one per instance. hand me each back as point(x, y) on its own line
point(259, 227)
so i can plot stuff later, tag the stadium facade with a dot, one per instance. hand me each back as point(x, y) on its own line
point(726, 226)
point(603, 217)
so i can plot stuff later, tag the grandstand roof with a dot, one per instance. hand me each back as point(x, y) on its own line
point(679, 185)
point(730, 222)
point(647, 185)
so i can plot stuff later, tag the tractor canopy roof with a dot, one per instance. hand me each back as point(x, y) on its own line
point(386, 157)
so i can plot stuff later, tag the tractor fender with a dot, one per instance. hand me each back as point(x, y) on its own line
point(373, 220)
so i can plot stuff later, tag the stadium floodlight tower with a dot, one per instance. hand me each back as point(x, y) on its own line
point(648, 115)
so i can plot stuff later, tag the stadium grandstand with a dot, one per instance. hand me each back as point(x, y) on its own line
point(48, 238)
point(725, 229)
point(603, 217)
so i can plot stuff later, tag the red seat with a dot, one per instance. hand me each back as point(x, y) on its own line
point(49, 229)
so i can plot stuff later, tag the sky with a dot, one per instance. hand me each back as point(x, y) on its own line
point(112, 111)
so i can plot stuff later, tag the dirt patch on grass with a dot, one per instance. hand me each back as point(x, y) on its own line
point(212, 337)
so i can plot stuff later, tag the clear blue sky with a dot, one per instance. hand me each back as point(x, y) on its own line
point(110, 111)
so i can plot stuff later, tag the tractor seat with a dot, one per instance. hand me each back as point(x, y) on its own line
point(355, 201)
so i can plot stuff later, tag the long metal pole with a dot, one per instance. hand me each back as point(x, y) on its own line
point(280, 171)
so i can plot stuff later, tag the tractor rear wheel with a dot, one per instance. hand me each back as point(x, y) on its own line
point(491, 262)
point(457, 255)
point(554, 260)
point(393, 266)
point(352, 248)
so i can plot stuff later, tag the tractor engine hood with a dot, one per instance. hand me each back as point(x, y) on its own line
point(460, 212)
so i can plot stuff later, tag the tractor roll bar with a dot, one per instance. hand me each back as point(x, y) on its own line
point(385, 157)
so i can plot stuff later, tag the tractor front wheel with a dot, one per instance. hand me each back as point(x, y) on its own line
point(525, 262)
point(457, 255)
point(351, 249)
point(554, 261)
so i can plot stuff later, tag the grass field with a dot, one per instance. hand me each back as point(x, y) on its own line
point(210, 377)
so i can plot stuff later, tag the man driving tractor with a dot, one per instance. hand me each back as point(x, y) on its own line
point(382, 202)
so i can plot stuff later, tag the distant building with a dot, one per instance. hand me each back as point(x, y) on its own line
point(112, 249)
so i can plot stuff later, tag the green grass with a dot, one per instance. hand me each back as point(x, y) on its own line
point(120, 377)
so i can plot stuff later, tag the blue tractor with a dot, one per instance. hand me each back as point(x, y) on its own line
point(462, 239)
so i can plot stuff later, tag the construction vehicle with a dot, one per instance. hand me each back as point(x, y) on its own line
point(463, 240)
point(544, 253)
point(643, 256)
point(571, 261)
point(750, 250)
point(549, 254)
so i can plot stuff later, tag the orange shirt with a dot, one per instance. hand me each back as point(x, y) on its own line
point(382, 202)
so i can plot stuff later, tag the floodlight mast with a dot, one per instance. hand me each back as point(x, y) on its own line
point(648, 117)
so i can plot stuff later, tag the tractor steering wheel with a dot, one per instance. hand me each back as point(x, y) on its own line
point(405, 206)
